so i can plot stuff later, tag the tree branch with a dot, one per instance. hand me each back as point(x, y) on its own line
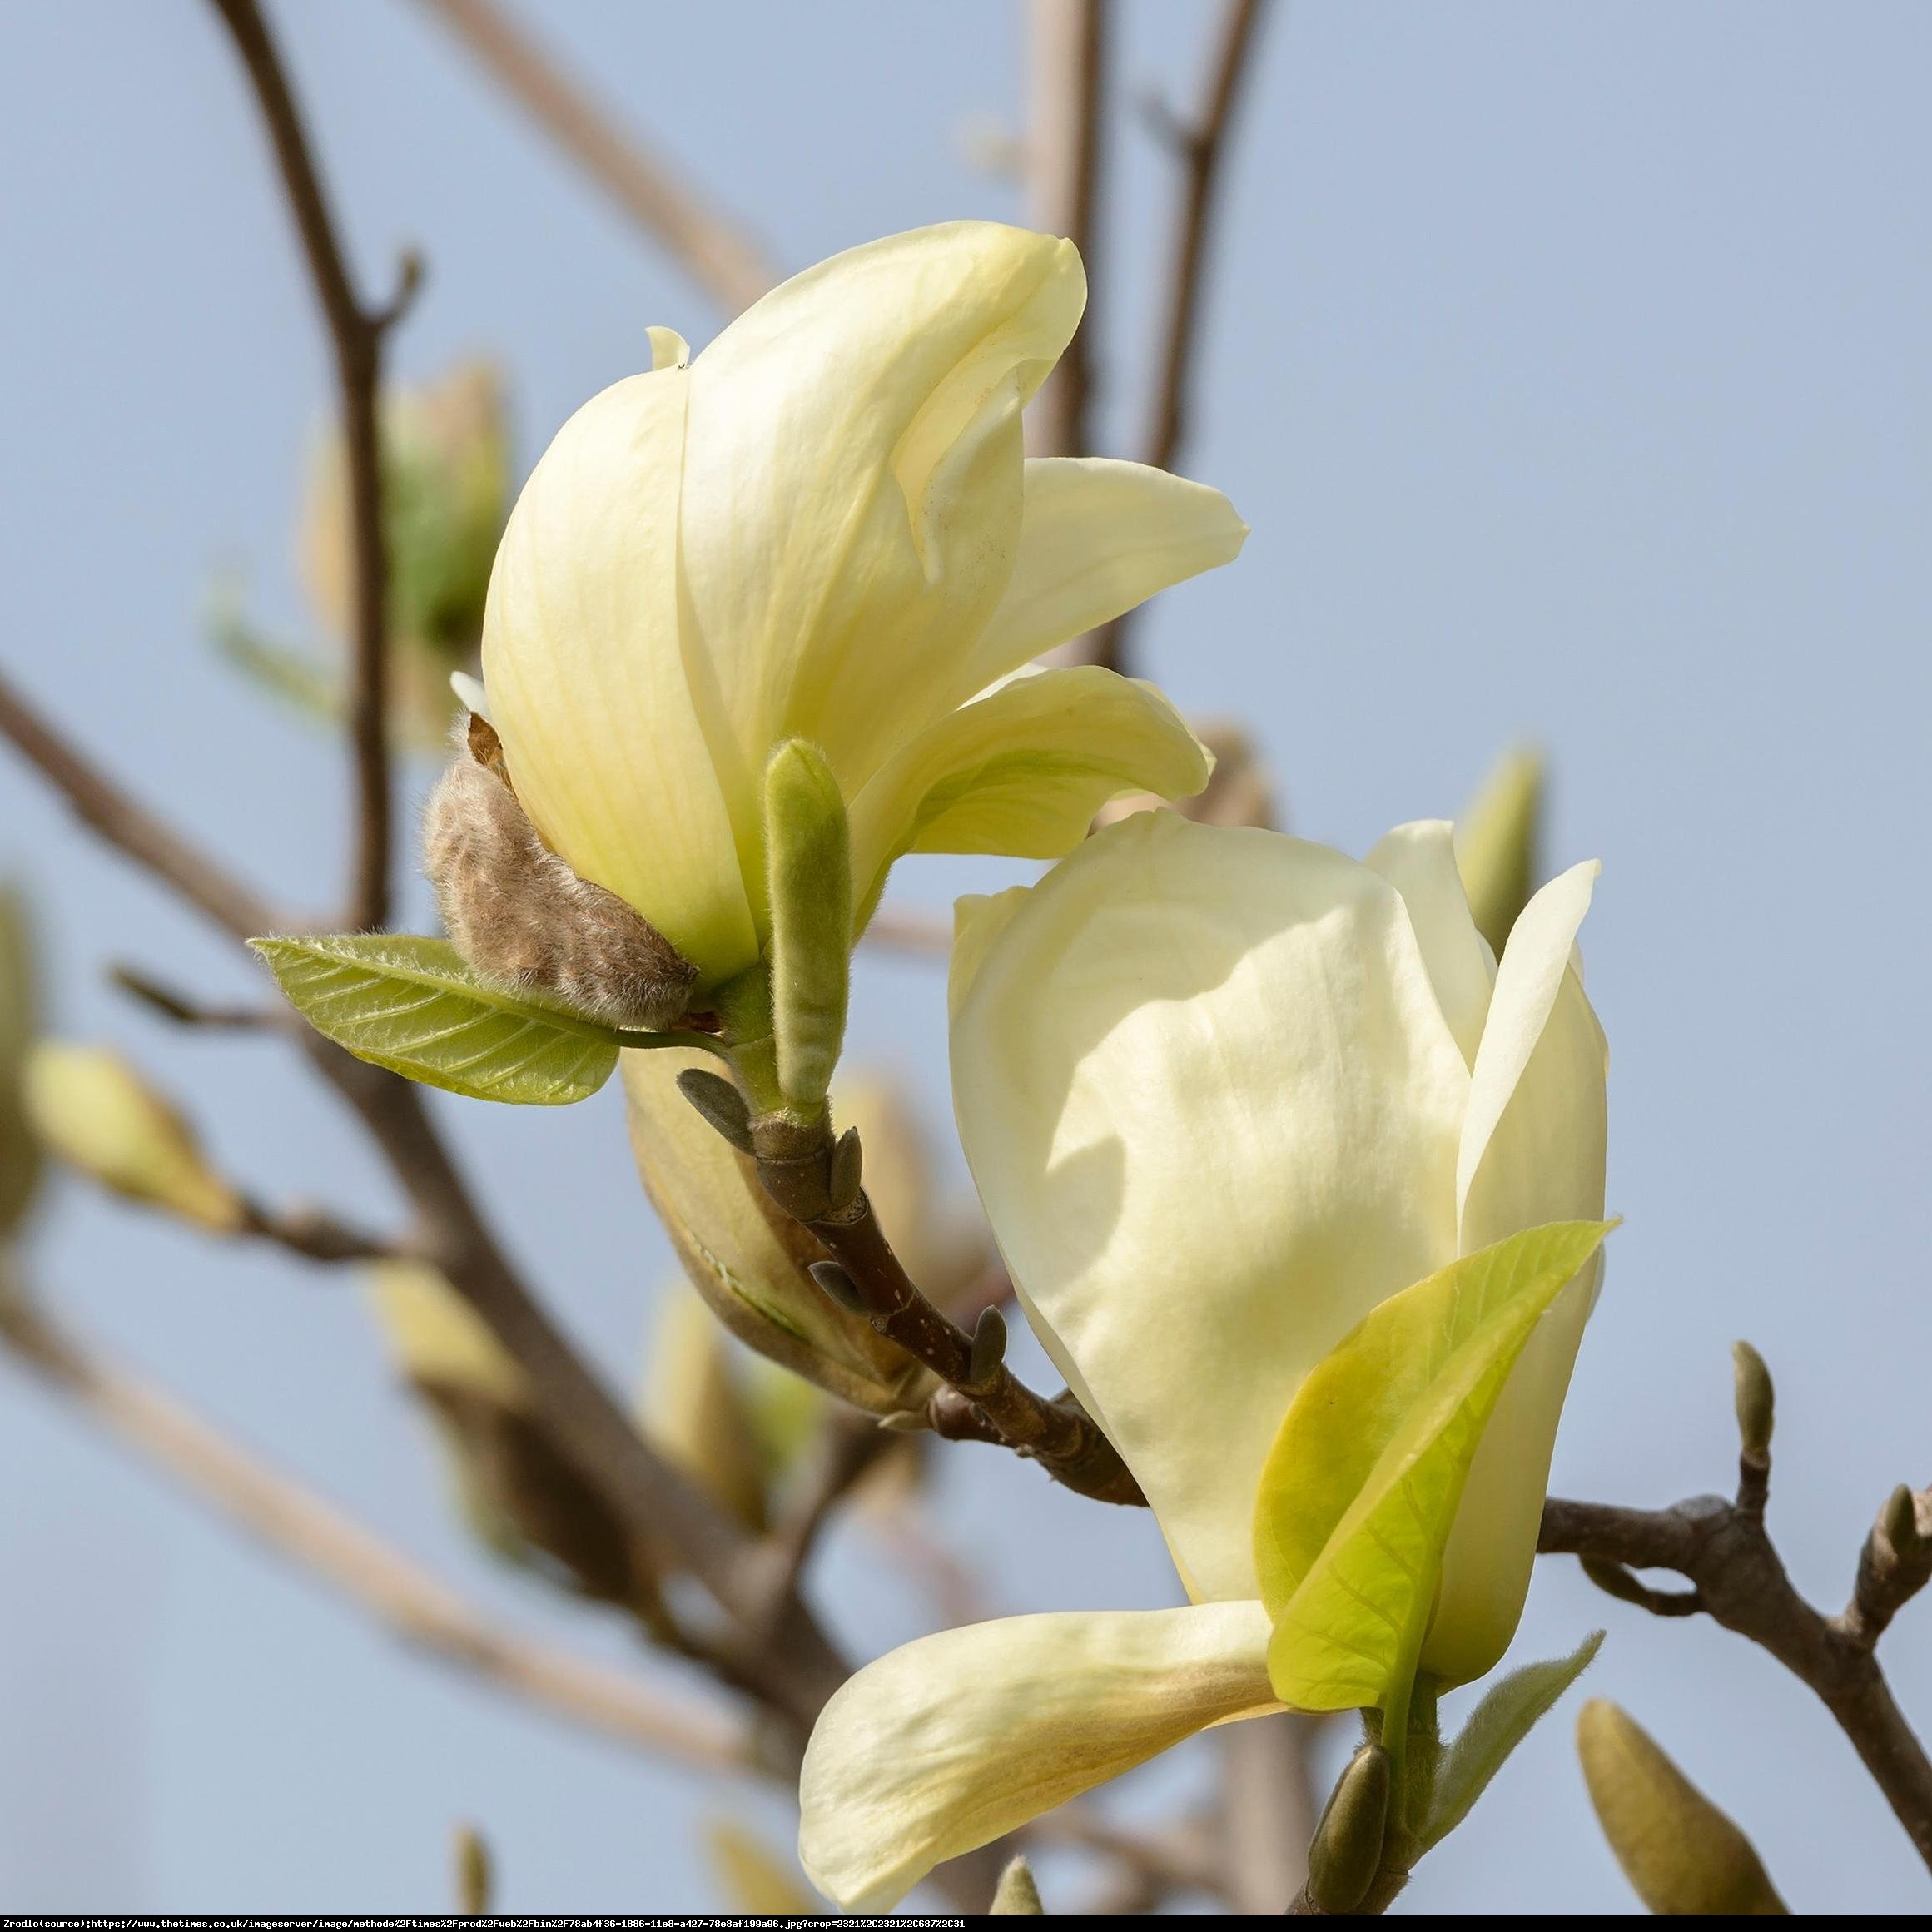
point(1065, 134)
point(321, 1540)
point(1200, 146)
point(315, 1235)
point(1739, 1580)
point(715, 250)
point(183, 1010)
point(355, 335)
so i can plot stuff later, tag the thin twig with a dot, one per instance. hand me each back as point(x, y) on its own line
point(355, 334)
point(186, 1010)
point(1739, 1580)
point(100, 803)
point(321, 1541)
point(1064, 138)
point(316, 1234)
point(1268, 1810)
point(1200, 146)
point(718, 254)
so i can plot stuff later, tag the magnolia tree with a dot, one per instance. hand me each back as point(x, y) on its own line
point(1292, 1161)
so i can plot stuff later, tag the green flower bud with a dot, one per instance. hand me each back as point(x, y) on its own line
point(1678, 1850)
point(473, 1872)
point(1346, 1847)
point(97, 1113)
point(1017, 1892)
point(1498, 841)
point(1756, 1400)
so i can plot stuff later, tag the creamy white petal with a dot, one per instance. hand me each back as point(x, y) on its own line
point(952, 1741)
point(1211, 1104)
point(1419, 861)
point(1533, 1151)
point(1023, 771)
point(587, 685)
point(852, 491)
point(1098, 537)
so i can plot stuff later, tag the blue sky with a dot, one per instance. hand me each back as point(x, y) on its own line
point(1569, 364)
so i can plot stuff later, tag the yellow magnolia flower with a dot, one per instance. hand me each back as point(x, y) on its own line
point(1223, 1092)
point(824, 528)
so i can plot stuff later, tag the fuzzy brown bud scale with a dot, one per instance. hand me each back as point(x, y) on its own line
point(522, 919)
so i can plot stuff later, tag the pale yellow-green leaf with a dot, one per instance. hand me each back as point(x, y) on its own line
point(694, 1410)
point(1495, 1728)
point(1678, 1850)
point(1496, 843)
point(414, 1006)
point(93, 1109)
point(1360, 1489)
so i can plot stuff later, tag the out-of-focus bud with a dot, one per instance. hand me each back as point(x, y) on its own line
point(1017, 1891)
point(1240, 791)
point(474, 1873)
point(1678, 1850)
point(19, 1150)
point(520, 1496)
point(745, 1256)
point(942, 1240)
point(91, 1108)
point(1498, 841)
point(755, 1879)
point(695, 1410)
point(1756, 1400)
point(808, 850)
point(1346, 1847)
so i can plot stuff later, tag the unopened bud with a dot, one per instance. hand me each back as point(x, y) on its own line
point(1498, 839)
point(694, 1410)
point(97, 1113)
point(720, 1103)
point(848, 1173)
point(473, 1872)
point(1679, 1851)
point(1346, 1851)
point(1756, 1400)
point(989, 1346)
point(1898, 1523)
point(1017, 1891)
point(808, 852)
point(839, 1285)
point(526, 922)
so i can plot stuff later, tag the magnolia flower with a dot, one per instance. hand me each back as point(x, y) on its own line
point(824, 528)
point(1223, 1093)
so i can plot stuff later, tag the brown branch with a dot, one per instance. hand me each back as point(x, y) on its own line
point(1268, 1810)
point(716, 251)
point(315, 1235)
point(319, 1540)
point(1739, 1580)
point(355, 334)
point(1200, 146)
point(183, 1010)
point(1067, 123)
point(100, 804)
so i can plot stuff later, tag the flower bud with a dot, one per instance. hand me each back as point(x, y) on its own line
point(1678, 1850)
point(694, 1411)
point(1498, 841)
point(744, 1256)
point(808, 849)
point(1346, 1850)
point(473, 1872)
point(1017, 1892)
point(755, 1880)
point(97, 1113)
point(1756, 1401)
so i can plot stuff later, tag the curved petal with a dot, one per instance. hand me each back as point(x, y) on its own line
point(951, 1741)
point(1533, 1151)
point(1096, 537)
point(1419, 861)
point(853, 490)
point(1022, 770)
point(586, 684)
point(1207, 1093)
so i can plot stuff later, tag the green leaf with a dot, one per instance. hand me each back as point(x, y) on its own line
point(1496, 1727)
point(414, 1007)
point(1360, 1489)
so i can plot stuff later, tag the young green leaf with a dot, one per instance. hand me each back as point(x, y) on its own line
point(1360, 1490)
point(1496, 1727)
point(414, 1007)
